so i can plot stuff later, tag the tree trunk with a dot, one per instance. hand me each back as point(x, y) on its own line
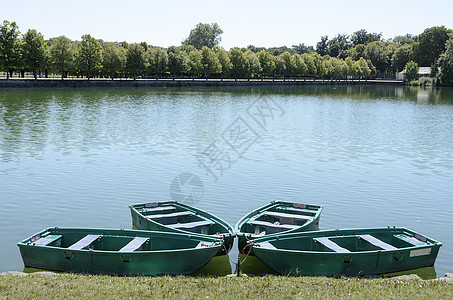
point(34, 74)
point(7, 73)
point(62, 74)
point(88, 75)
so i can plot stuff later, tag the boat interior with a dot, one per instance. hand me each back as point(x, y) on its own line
point(348, 243)
point(174, 216)
point(113, 242)
point(280, 218)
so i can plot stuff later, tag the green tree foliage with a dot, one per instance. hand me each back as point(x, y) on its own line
point(302, 48)
point(89, 56)
point(35, 53)
point(253, 63)
point(310, 64)
point(275, 51)
point(195, 65)
point(371, 67)
point(337, 45)
point(114, 58)
point(446, 65)
point(9, 50)
point(224, 59)
point(135, 59)
point(280, 68)
point(431, 43)
point(378, 53)
point(204, 35)
point(401, 57)
point(357, 52)
point(362, 67)
point(298, 62)
point(319, 65)
point(266, 62)
point(322, 47)
point(239, 63)
point(404, 39)
point(255, 49)
point(360, 55)
point(411, 71)
point(157, 60)
point(288, 66)
point(335, 68)
point(210, 64)
point(62, 54)
point(363, 37)
point(178, 62)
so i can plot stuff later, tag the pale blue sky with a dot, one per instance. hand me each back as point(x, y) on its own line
point(260, 23)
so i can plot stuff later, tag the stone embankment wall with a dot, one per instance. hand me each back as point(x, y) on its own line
point(83, 83)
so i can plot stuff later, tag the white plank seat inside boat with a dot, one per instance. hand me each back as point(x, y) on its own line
point(46, 240)
point(273, 225)
point(265, 245)
point(286, 216)
point(85, 242)
point(204, 245)
point(171, 215)
point(416, 240)
point(190, 225)
point(134, 244)
point(377, 242)
point(306, 210)
point(158, 208)
point(330, 244)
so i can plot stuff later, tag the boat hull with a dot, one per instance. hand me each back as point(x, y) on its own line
point(245, 235)
point(314, 263)
point(219, 228)
point(170, 261)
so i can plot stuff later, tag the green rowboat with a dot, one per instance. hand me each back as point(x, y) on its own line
point(275, 218)
point(118, 252)
point(172, 216)
point(350, 252)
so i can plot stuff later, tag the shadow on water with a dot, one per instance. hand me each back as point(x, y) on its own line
point(253, 266)
point(424, 273)
point(220, 266)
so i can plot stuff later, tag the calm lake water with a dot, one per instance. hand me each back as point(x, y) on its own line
point(372, 156)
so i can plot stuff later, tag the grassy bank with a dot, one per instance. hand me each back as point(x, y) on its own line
point(105, 287)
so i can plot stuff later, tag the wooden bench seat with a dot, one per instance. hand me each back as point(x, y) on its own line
point(266, 245)
point(171, 215)
point(44, 241)
point(410, 239)
point(85, 242)
point(330, 245)
point(134, 244)
point(190, 224)
point(306, 210)
point(272, 225)
point(286, 216)
point(376, 242)
point(159, 208)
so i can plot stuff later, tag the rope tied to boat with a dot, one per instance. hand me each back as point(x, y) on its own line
point(239, 262)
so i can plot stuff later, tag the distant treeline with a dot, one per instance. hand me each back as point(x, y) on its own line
point(361, 54)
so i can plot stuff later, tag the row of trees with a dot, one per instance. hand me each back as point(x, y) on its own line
point(91, 56)
point(360, 54)
point(391, 55)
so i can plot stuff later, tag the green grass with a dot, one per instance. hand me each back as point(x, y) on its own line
point(268, 287)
